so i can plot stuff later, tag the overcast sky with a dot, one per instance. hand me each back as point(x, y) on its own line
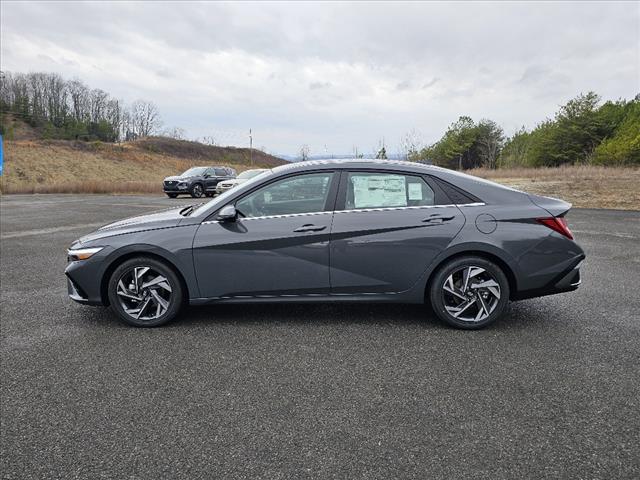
point(332, 74)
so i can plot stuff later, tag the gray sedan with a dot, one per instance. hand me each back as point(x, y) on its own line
point(349, 230)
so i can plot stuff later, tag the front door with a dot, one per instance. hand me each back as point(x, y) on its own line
point(387, 229)
point(210, 180)
point(279, 245)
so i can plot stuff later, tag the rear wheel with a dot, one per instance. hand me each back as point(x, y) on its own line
point(145, 292)
point(469, 292)
point(197, 191)
point(172, 195)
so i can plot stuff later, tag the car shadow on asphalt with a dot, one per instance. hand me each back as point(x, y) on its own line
point(518, 316)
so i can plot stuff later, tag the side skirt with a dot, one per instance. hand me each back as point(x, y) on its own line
point(313, 298)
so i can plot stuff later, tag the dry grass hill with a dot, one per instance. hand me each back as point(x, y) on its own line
point(33, 165)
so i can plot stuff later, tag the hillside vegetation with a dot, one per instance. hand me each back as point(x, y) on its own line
point(60, 166)
point(584, 131)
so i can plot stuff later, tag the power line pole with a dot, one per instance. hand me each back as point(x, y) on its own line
point(250, 148)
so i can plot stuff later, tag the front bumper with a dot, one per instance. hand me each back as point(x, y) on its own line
point(175, 188)
point(220, 188)
point(84, 278)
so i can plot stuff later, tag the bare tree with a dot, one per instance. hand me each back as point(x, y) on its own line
point(209, 140)
point(304, 153)
point(176, 133)
point(144, 118)
point(79, 94)
point(410, 144)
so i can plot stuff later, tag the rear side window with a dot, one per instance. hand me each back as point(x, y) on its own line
point(455, 194)
point(221, 172)
point(380, 190)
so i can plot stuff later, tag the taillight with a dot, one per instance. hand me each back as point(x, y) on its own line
point(559, 224)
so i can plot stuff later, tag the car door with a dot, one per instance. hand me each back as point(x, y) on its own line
point(278, 245)
point(387, 228)
point(210, 180)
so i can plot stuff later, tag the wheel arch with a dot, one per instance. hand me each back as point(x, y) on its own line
point(124, 256)
point(479, 251)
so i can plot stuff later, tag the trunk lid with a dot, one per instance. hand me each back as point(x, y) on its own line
point(554, 206)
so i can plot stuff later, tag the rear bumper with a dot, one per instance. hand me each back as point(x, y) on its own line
point(567, 281)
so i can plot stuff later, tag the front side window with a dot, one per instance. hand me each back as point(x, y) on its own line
point(381, 190)
point(300, 194)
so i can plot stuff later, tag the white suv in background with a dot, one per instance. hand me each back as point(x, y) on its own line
point(225, 185)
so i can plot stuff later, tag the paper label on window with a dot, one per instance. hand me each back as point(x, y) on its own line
point(373, 191)
point(415, 191)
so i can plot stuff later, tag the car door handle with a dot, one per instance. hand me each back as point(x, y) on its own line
point(435, 219)
point(310, 228)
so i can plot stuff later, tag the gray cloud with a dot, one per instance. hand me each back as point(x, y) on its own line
point(339, 74)
point(319, 85)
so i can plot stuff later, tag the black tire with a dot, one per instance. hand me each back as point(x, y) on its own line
point(175, 296)
point(456, 268)
point(172, 195)
point(196, 190)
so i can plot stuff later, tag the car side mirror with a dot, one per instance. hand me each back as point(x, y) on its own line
point(206, 175)
point(228, 213)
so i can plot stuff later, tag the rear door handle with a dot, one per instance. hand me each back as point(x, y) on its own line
point(435, 219)
point(310, 228)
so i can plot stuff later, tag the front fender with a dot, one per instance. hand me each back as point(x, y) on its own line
point(180, 260)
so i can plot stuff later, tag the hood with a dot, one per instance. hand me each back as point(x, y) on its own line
point(179, 178)
point(150, 221)
point(234, 181)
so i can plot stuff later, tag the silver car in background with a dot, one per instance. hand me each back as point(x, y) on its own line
point(234, 182)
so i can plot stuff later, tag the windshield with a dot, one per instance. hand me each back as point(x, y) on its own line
point(220, 199)
point(194, 172)
point(251, 173)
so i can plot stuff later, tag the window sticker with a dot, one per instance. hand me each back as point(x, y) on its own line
point(415, 191)
point(374, 191)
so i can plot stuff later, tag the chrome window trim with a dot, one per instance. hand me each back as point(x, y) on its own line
point(419, 207)
point(286, 215)
point(357, 210)
point(266, 217)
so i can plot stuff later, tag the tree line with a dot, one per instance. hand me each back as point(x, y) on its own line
point(583, 131)
point(69, 109)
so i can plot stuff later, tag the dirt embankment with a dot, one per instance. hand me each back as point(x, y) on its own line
point(58, 166)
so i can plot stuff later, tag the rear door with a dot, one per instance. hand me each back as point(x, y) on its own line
point(279, 245)
point(387, 228)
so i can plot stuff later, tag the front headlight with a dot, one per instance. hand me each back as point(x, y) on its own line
point(82, 253)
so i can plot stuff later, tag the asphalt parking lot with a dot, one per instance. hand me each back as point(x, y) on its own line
point(313, 391)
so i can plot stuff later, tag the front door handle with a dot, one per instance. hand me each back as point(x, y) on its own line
point(435, 219)
point(310, 228)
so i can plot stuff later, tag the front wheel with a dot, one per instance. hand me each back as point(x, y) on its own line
point(172, 195)
point(145, 292)
point(197, 191)
point(469, 292)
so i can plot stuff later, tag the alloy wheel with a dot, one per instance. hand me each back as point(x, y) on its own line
point(470, 293)
point(197, 191)
point(144, 294)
